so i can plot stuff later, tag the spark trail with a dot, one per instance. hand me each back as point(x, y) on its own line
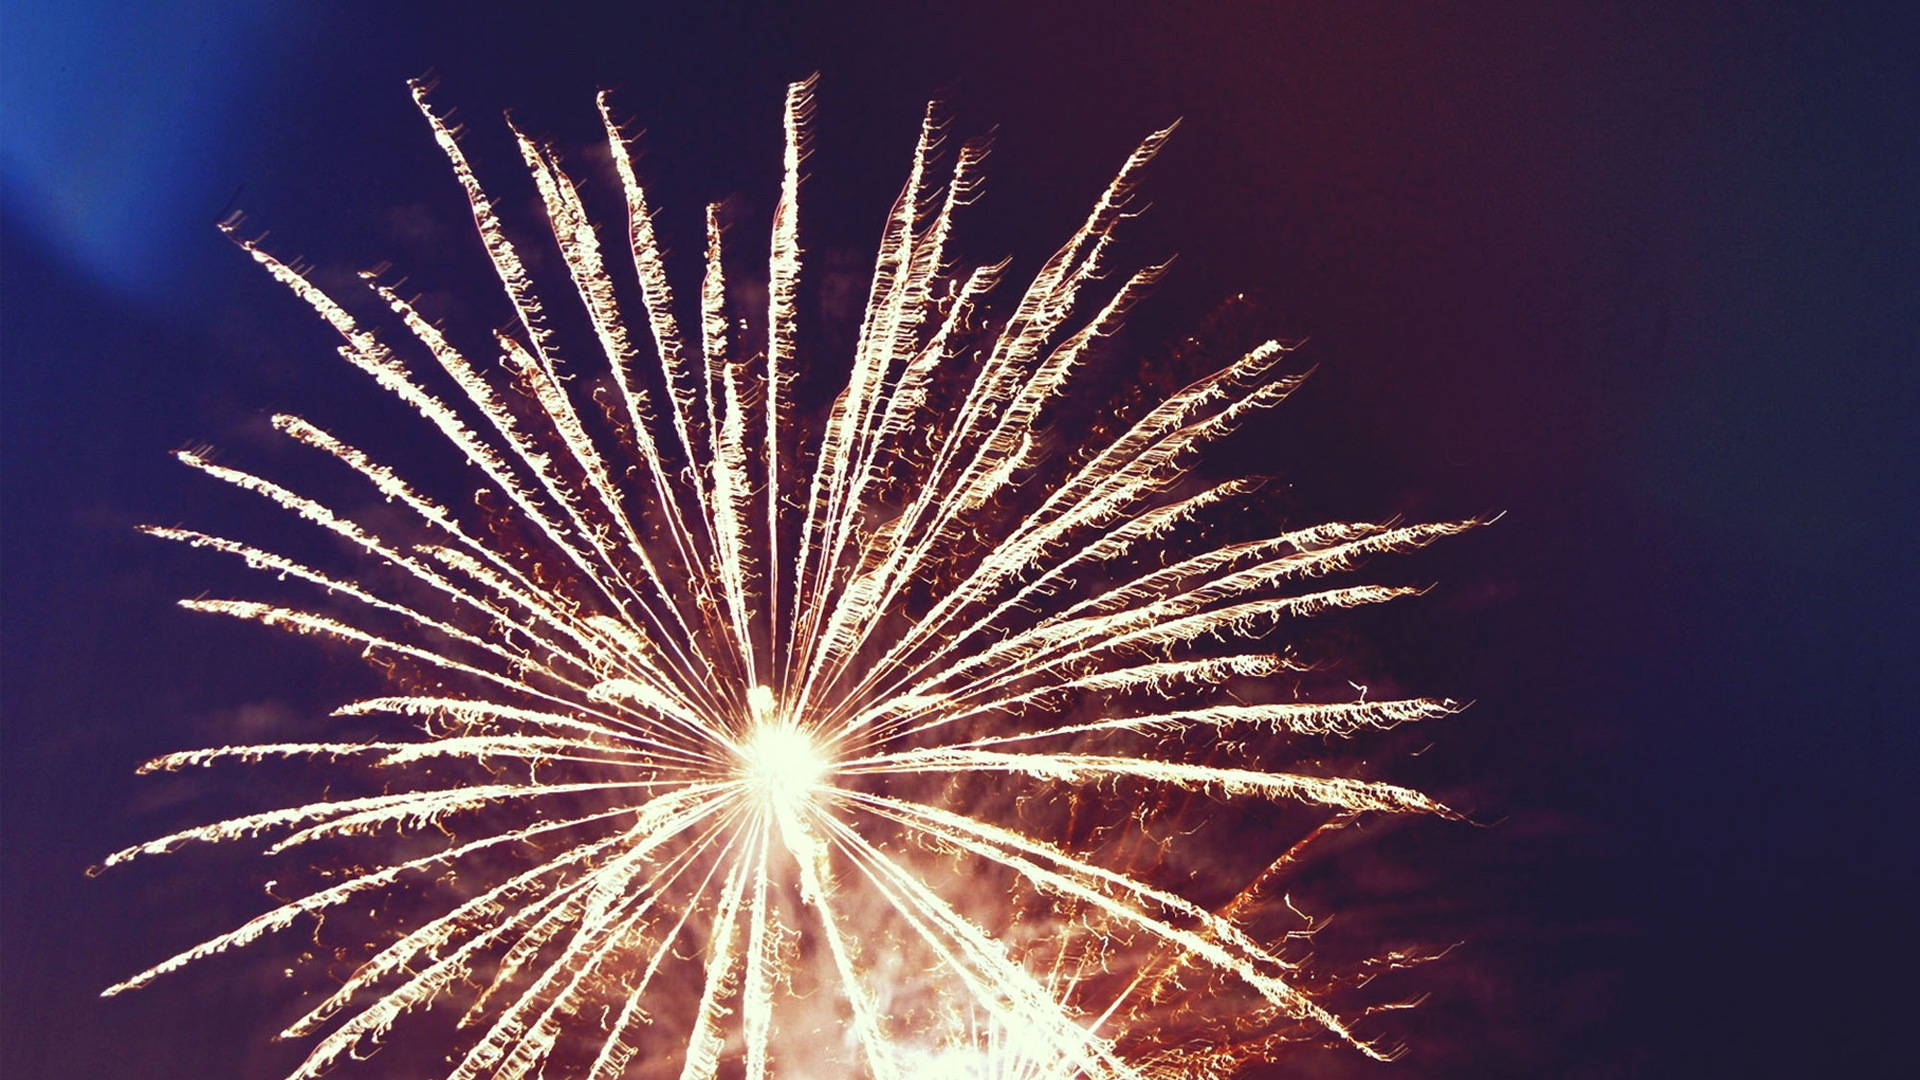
point(707, 705)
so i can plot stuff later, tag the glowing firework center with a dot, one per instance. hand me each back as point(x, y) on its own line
point(781, 764)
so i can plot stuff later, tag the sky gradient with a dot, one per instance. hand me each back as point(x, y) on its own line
point(1642, 280)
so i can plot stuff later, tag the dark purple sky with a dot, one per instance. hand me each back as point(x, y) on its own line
point(1644, 280)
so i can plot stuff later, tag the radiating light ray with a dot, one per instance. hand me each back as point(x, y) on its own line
point(717, 724)
point(1228, 948)
point(998, 983)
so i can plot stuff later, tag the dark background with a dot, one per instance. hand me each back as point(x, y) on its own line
point(1643, 277)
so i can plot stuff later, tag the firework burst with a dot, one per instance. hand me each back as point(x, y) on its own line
point(730, 736)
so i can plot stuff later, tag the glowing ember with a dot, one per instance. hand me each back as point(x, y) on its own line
point(781, 763)
point(730, 737)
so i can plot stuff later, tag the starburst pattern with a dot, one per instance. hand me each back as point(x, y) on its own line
point(730, 734)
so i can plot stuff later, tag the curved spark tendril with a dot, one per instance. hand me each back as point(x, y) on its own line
point(721, 699)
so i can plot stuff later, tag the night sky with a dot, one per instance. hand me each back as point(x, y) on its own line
point(1641, 277)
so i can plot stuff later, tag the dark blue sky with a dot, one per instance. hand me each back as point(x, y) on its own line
point(1643, 279)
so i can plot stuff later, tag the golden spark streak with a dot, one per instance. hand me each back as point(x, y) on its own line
point(701, 703)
